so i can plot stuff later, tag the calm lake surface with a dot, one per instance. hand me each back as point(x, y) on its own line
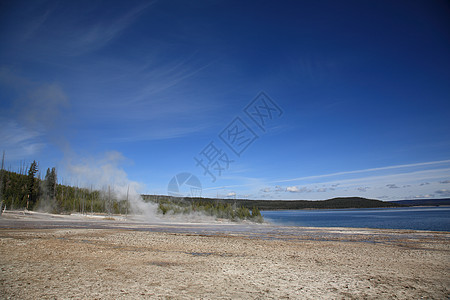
point(417, 218)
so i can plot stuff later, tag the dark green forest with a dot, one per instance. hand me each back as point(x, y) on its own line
point(424, 202)
point(348, 202)
point(26, 190)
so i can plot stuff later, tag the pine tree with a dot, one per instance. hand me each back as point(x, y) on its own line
point(47, 200)
point(50, 183)
point(1, 183)
point(30, 183)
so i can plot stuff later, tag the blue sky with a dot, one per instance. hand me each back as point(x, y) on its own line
point(133, 91)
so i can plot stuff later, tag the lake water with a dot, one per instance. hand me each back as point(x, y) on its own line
point(417, 218)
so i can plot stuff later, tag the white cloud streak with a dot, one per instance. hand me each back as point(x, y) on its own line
point(405, 181)
point(439, 173)
point(441, 162)
point(19, 142)
point(68, 33)
point(293, 189)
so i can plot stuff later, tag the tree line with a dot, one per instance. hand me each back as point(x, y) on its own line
point(25, 190)
point(335, 203)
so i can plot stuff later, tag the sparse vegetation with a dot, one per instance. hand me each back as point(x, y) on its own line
point(213, 209)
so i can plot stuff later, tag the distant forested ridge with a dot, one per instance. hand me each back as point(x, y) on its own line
point(423, 202)
point(347, 202)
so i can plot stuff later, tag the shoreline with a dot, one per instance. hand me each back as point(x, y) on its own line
point(104, 259)
point(41, 220)
point(381, 207)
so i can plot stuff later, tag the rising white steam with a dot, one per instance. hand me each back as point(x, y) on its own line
point(105, 173)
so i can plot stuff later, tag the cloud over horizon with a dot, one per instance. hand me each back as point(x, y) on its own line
point(150, 80)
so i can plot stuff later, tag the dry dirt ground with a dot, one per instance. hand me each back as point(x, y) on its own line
point(128, 264)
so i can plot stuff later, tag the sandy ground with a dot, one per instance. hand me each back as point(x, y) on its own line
point(118, 263)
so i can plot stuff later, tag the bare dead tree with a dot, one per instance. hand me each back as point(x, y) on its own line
point(109, 200)
point(1, 183)
point(126, 203)
point(92, 201)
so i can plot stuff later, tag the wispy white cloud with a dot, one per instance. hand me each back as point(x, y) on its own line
point(392, 186)
point(19, 142)
point(35, 104)
point(434, 173)
point(139, 94)
point(279, 188)
point(31, 25)
point(64, 30)
point(421, 196)
point(36, 114)
point(443, 192)
point(406, 179)
point(369, 170)
point(162, 101)
point(293, 189)
point(158, 78)
point(399, 178)
point(150, 134)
